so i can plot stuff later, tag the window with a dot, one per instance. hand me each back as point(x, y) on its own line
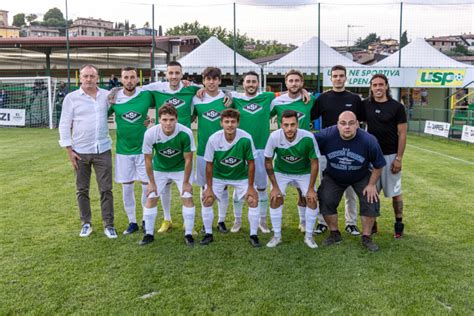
point(100, 33)
point(93, 34)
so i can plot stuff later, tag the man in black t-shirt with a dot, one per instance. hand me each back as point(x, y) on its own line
point(329, 105)
point(386, 120)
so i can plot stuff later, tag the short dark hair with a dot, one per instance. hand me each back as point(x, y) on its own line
point(129, 68)
point(294, 72)
point(174, 63)
point(212, 72)
point(288, 114)
point(339, 67)
point(167, 108)
point(250, 73)
point(230, 113)
point(381, 76)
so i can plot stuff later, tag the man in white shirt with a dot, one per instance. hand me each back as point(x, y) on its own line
point(84, 134)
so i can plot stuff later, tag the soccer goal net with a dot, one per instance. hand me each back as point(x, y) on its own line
point(29, 102)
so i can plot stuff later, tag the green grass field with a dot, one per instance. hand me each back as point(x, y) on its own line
point(45, 268)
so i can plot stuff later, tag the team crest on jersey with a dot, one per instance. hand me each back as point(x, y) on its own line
point(169, 152)
point(212, 115)
point(291, 159)
point(131, 116)
point(300, 115)
point(252, 108)
point(231, 161)
point(176, 102)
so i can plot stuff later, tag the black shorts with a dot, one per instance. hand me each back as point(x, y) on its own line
point(330, 194)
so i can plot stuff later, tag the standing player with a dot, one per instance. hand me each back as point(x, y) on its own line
point(329, 105)
point(173, 147)
point(131, 109)
point(230, 162)
point(294, 152)
point(387, 121)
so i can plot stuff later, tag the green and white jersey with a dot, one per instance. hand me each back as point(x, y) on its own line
point(284, 102)
point(230, 159)
point(292, 157)
point(254, 115)
point(130, 115)
point(208, 112)
point(181, 99)
point(168, 150)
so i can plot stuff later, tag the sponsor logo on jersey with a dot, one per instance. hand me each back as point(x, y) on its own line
point(176, 102)
point(169, 152)
point(348, 105)
point(252, 108)
point(131, 116)
point(212, 115)
point(231, 161)
point(377, 111)
point(291, 159)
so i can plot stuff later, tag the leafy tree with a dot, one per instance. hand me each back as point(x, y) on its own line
point(404, 40)
point(19, 20)
point(31, 18)
point(364, 43)
point(53, 13)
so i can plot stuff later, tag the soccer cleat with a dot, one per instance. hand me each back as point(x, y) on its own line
point(375, 228)
point(263, 227)
point(334, 238)
point(110, 232)
point(166, 226)
point(275, 241)
point(86, 230)
point(132, 227)
point(146, 240)
point(208, 238)
point(254, 241)
point(320, 228)
point(369, 244)
point(302, 227)
point(221, 228)
point(189, 240)
point(236, 227)
point(399, 226)
point(309, 241)
point(353, 230)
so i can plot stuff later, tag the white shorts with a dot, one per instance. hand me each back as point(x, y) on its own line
point(163, 178)
point(200, 171)
point(240, 187)
point(129, 168)
point(389, 182)
point(260, 180)
point(300, 181)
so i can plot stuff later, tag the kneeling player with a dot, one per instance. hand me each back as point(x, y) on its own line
point(173, 145)
point(229, 159)
point(296, 163)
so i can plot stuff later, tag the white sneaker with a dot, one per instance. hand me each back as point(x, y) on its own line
point(110, 232)
point(86, 230)
point(302, 227)
point(309, 241)
point(275, 241)
point(263, 227)
point(236, 227)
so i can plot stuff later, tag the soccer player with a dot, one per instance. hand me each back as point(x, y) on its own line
point(292, 100)
point(173, 147)
point(208, 112)
point(294, 153)
point(131, 109)
point(387, 121)
point(354, 158)
point(329, 105)
point(229, 160)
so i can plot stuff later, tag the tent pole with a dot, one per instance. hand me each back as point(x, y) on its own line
point(319, 48)
point(399, 48)
point(235, 53)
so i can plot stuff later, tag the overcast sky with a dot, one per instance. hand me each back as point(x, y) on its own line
point(289, 24)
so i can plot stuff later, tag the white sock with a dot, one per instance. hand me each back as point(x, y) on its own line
point(301, 213)
point(263, 204)
point(188, 218)
point(149, 215)
point(238, 207)
point(207, 218)
point(311, 215)
point(128, 195)
point(254, 217)
point(165, 198)
point(222, 205)
point(275, 216)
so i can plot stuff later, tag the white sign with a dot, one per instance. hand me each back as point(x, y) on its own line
point(437, 128)
point(360, 77)
point(12, 117)
point(468, 133)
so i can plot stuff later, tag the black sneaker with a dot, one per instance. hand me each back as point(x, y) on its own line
point(254, 241)
point(320, 228)
point(132, 227)
point(353, 230)
point(369, 244)
point(189, 240)
point(399, 226)
point(221, 228)
point(334, 238)
point(207, 239)
point(375, 228)
point(147, 239)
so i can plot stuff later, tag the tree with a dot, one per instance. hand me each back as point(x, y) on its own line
point(364, 43)
point(404, 40)
point(19, 20)
point(31, 18)
point(146, 25)
point(53, 13)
